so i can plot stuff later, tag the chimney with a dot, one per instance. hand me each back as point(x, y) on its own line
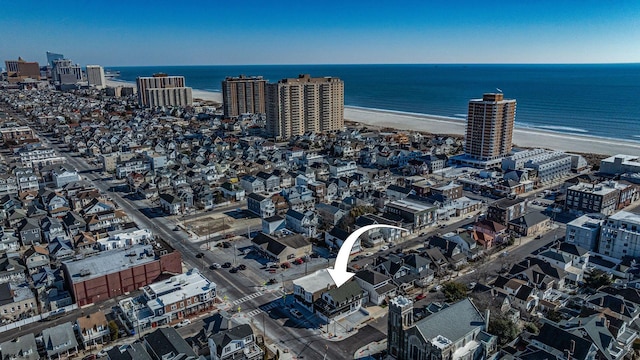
point(580, 322)
point(487, 313)
point(602, 301)
point(622, 308)
point(573, 346)
point(528, 263)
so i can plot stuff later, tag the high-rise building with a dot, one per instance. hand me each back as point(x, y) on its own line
point(52, 57)
point(163, 90)
point(304, 104)
point(490, 127)
point(242, 95)
point(95, 76)
point(620, 235)
point(18, 70)
point(66, 72)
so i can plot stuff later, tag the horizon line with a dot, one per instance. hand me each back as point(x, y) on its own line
point(394, 64)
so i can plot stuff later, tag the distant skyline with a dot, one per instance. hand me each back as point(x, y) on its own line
point(137, 33)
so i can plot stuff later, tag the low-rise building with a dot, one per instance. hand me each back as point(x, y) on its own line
point(60, 341)
point(17, 302)
point(529, 224)
point(309, 288)
point(339, 302)
point(260, 205)
point(282, 248)
point(620, 235)
point(166, 344)
point(605, 197)
point(22, 348)
point(236, 343)
point(113, 273)
point(584, 231)
point(506, 209)
point(415, 212)
point(93, 329)
point(378, 286)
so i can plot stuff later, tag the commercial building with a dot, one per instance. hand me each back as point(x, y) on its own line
point(490, 123)
point(17, 134)
point(304, 104)
point(52, 57)
point(243, 95)
point(163, 90)
point(95, 76)
point(113, 273)
point(620, 164)
point(418, 213)
point(620, 235)
point(282, 247)
point(19, 70)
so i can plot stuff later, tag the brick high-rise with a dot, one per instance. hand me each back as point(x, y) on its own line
point(304, 104)
point(242, 95)
point(490, 127)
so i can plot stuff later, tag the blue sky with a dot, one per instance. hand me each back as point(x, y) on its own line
point(322, 32)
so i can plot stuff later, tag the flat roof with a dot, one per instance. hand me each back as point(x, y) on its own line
point(109, 262)
point(314, 282)
point(626, 216)
point(179, 287)
point(411, 206)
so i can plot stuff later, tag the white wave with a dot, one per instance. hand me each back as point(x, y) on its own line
point(464, 116)
point(561, 128)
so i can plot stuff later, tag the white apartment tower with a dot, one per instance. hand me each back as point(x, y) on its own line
point(304, 104)
point(163, 90)
point(95, 76)
point(620, 235)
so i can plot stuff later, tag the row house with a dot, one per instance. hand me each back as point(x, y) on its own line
point(134, 165)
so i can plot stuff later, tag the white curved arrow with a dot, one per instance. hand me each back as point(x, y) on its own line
point(339, 273)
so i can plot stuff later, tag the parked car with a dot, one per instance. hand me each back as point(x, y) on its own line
point(285, 265)
point(182, 323)
point(215, 266)
point(242, 267)
point(226, 265)
point(297, 314)
point(233, 270)
point(199, 255)
point(420, 297)
point(384, 248)
point(226, 244)
point(298, 261)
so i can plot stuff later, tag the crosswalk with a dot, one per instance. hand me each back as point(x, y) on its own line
point(253, 313)
point(247, 298)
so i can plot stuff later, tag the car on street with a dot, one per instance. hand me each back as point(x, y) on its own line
point(200, 255)
point(384, 248)
point(233, 270)
point(297, 314)
point(285, 265)
point(182, 323)
point(226, 265)
point(215, 266)
point(242, 267)
point(420, 297)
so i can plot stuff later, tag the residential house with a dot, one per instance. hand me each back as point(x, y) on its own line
point(260, 205)
point(271, 181)
point(11, 270)
point(273, 224)
point(17, 302)
point(336, 237)
point(20, 348)
point(251, 184)
point(64, 174)
point(378, 287)
point(337, 303)
point(487, 233)
point(29, 232)
point(309, 288)
point(171, 204)
point(93, 329)
point(237, 342)
point(303, 223)
point(35, 258)
point(530, 224)
point(166, 344)
point(329, 215)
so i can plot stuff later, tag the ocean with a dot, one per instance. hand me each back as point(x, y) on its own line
point(589, 100)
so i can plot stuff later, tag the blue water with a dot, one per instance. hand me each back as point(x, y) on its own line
point(592, 100)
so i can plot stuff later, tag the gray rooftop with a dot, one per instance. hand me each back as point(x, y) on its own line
point(108, 262)
point(452, 323)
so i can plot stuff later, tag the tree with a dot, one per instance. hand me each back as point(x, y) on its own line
point(532, 328)
point(505, 329)
point(554, 315)
point(113, 330)
point(596, 279)
point(454, 291)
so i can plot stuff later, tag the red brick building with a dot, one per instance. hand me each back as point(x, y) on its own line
point(115, 272)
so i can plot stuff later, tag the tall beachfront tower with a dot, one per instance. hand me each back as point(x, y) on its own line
point(304, 104)
point(163, 90)
point(95, 76)
point(243, 95)
point(490, 127)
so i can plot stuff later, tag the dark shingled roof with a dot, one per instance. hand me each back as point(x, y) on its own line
point(223, 338)
point(560, 340)
point(453, 322)
point(167, 340)
point(372, 277)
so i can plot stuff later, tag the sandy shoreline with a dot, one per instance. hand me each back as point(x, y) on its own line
point(447, 125)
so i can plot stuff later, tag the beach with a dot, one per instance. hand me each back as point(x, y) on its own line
point(521, 137)
point(456, 126)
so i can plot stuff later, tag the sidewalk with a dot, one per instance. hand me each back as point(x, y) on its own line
point(370, 349)
point(350, 324)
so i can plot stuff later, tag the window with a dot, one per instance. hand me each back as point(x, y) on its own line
point(182, 304)
point(173, 307)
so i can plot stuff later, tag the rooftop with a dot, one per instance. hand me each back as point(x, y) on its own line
point(109, 262)
point(176, 288)
point(317, 281)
